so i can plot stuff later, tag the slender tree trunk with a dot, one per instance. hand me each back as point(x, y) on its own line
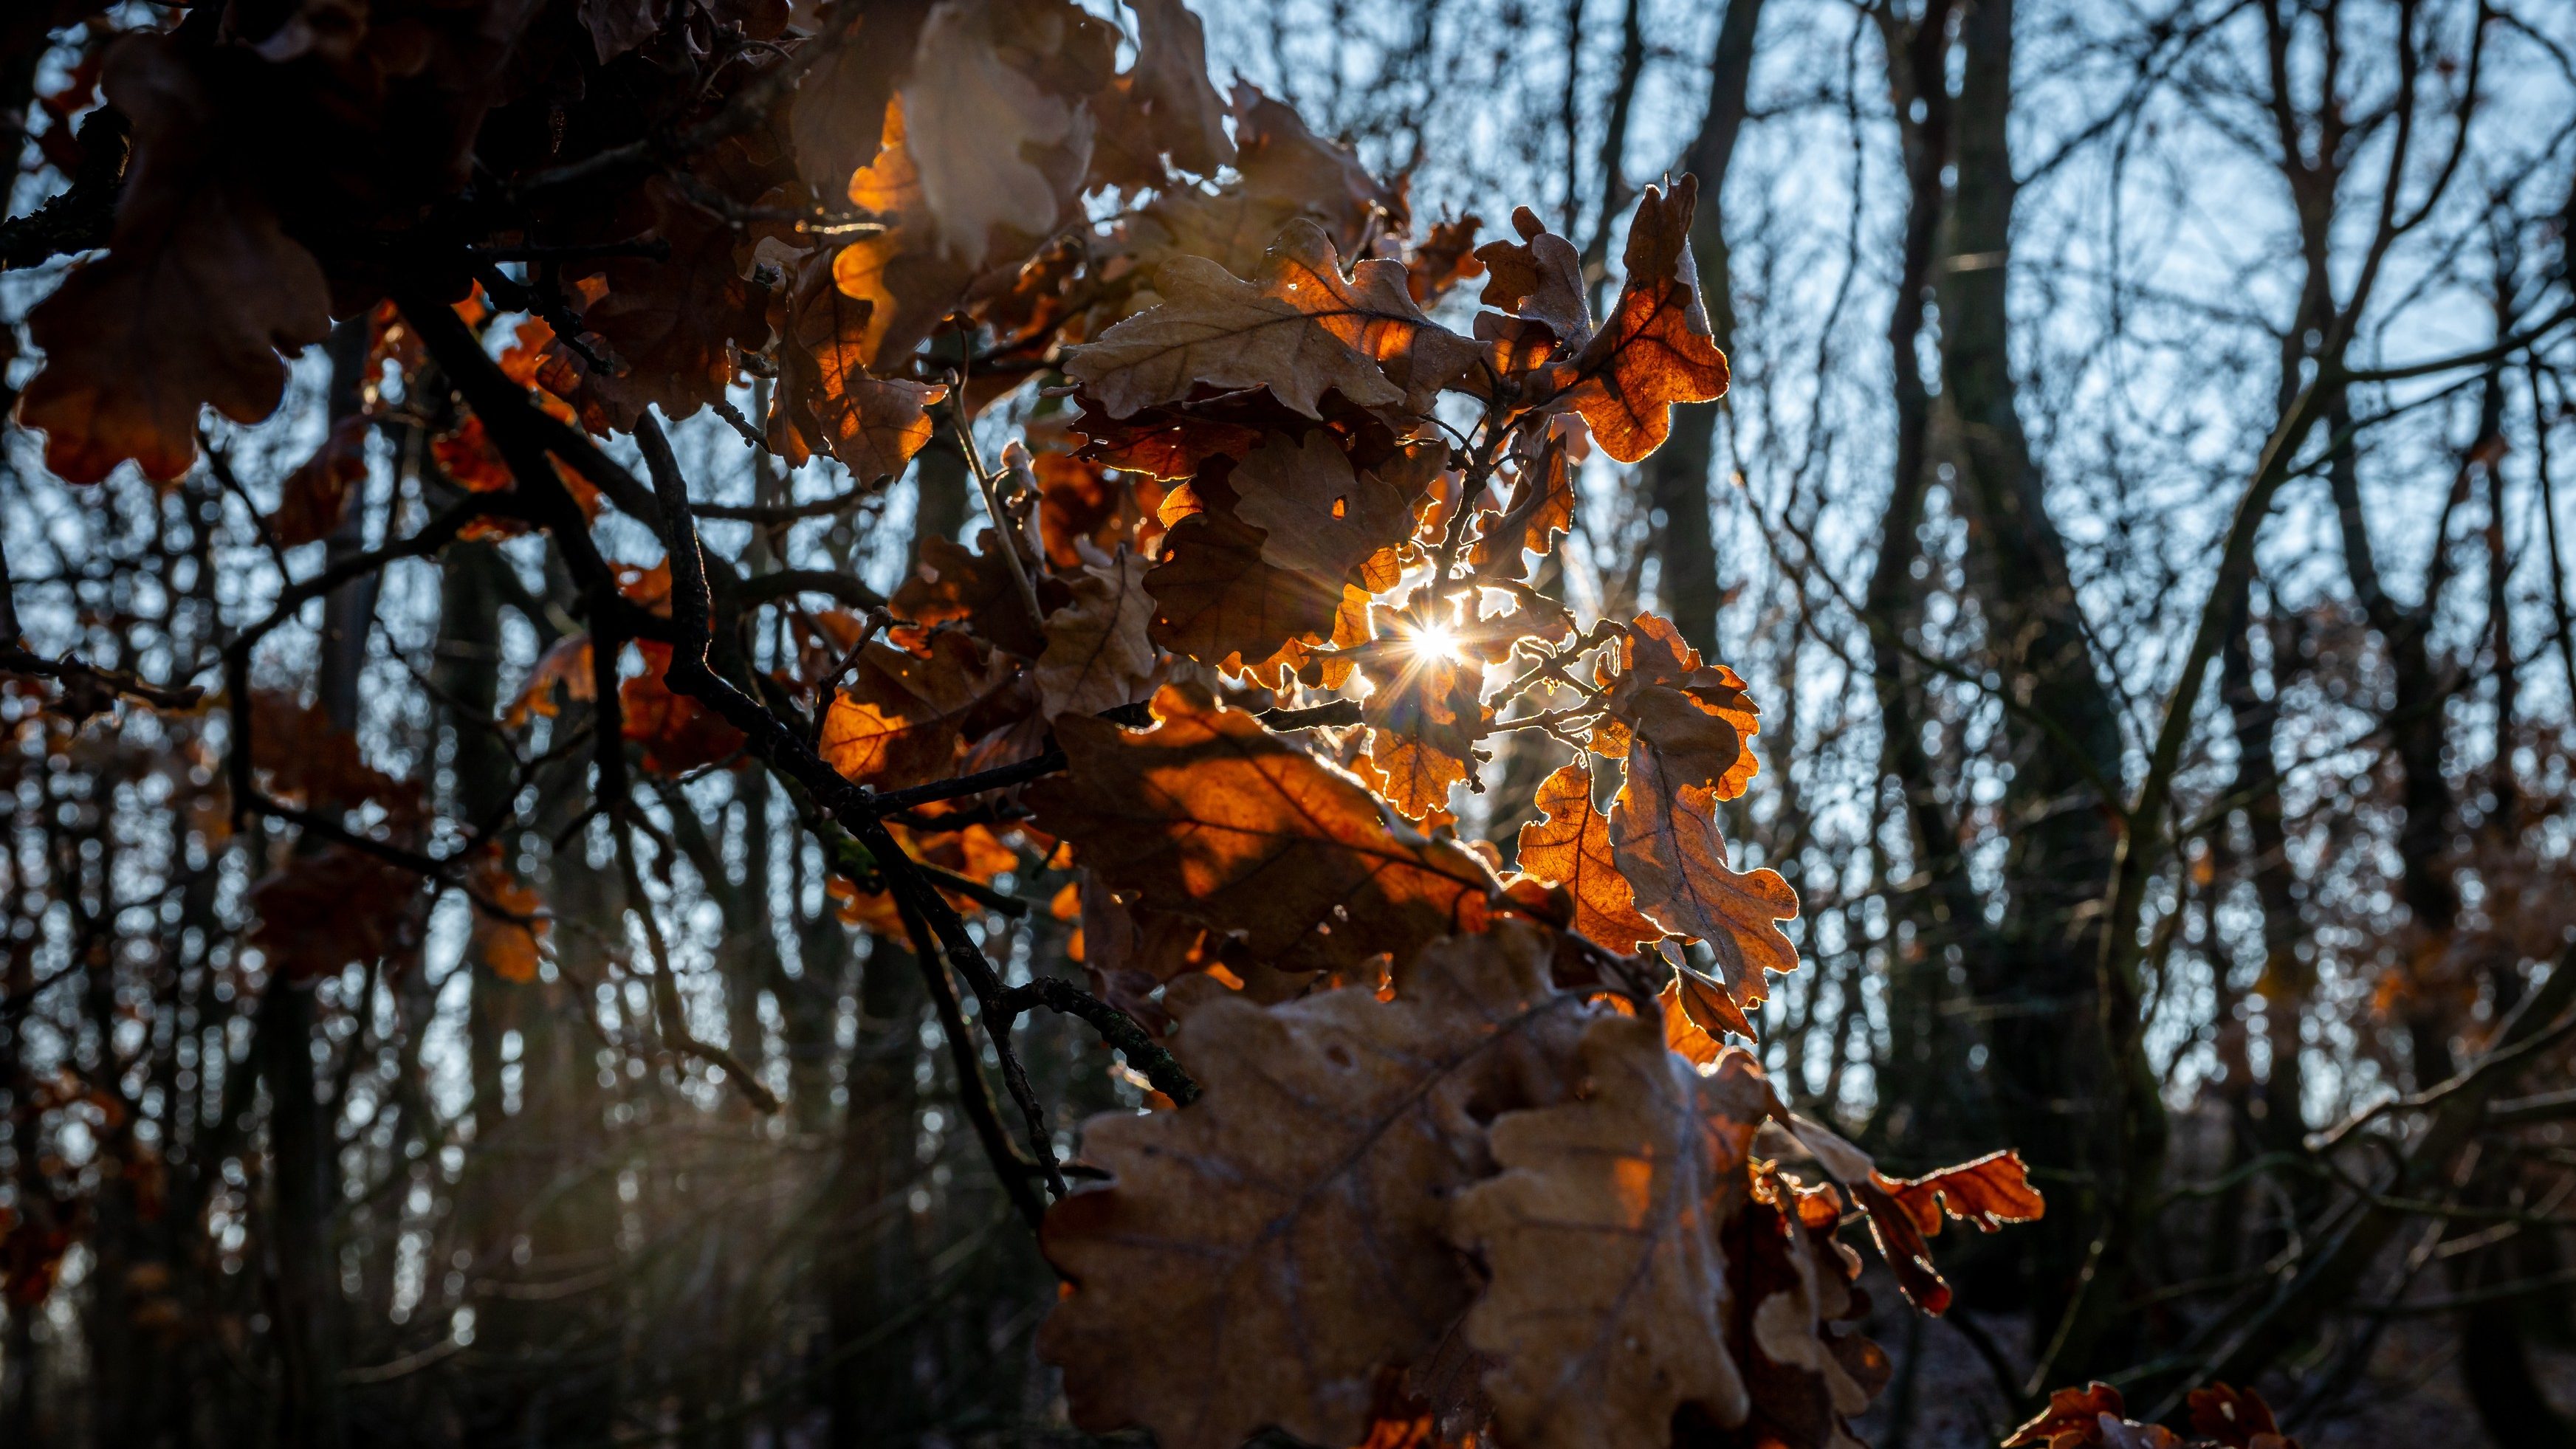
point(2063, 1097)
point(1678, 474)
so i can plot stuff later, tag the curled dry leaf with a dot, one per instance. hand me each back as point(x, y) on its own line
point(1806, 1371)
point(996, 127)
point(1608, 1301)
point(1903, 1212)
point(1665, 840)
point(200, 292)
point(1098, 655)
point(952, 585)
point(675, 324)
point(1656, 348)
point(1262, 1254)
point(1569, 845)
point(1211, 815)
point(1538, 278)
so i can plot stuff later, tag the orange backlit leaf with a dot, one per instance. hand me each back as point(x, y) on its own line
point(1569, 845)
point(1665, 840)
point(1656, 348)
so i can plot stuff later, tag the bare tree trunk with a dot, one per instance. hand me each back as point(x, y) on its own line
point(2061, 1099)
point(303, 1152)
point(1678, 473)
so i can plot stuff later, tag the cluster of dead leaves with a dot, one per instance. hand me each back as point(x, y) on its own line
point(2095, 1417)
point(1471, 1197)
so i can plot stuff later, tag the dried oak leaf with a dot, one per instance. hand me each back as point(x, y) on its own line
point(826, 400)
point(982, 157)
point(1283, 172)
point(1215, 330)
point(1665, 840)
point(1903, 1212)
point(901, 717)
point(200, 292)
point(1805, 1372)
point(1656, 349)
point(1541, 507)
point(1217, 600)
point(1538, 278)
point(309, 759)
point(839, 111)
point(678, 733)
point(2074, 1419)
point(1443, 260)
point(1080, 501)
point(1211, 815)
point(1263, 1253)
point(1423, 724)
point(1129, 950)
point(1098, 654)
point(1372, 309)
point(324, 911)
point(1696, 715)
point(1319, 516)
point(1164, 107)
point(1608, 1301)
point(675, 323)
point(951, 584)
point(508, 931)
point(996, 127)
point(1569, 845)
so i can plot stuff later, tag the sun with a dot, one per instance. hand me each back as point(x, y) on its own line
point(1436, 642)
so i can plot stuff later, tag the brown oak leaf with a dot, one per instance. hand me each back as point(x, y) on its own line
point(1423, 723)
point(900, 720)
point(1664, 837)
point(1608, 1301)
point(1283, 171)
point(1217, 600)
point(1214, 329)
point(1319, 516)
point(1212, 815)
point(1165, 106)
point(675, 324)
point(996, 128)
point(1569, 845)
point(1099, 654)
point(677, 732)
point(1656, 349)
point(1538, 278)
point(1263, 1253)
point(1989, 1191)
point(826, 400)
point(200, 292)
point(1696, 715)
point(312, 500)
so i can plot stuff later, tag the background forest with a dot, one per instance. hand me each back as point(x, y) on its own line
point(2133, 511)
